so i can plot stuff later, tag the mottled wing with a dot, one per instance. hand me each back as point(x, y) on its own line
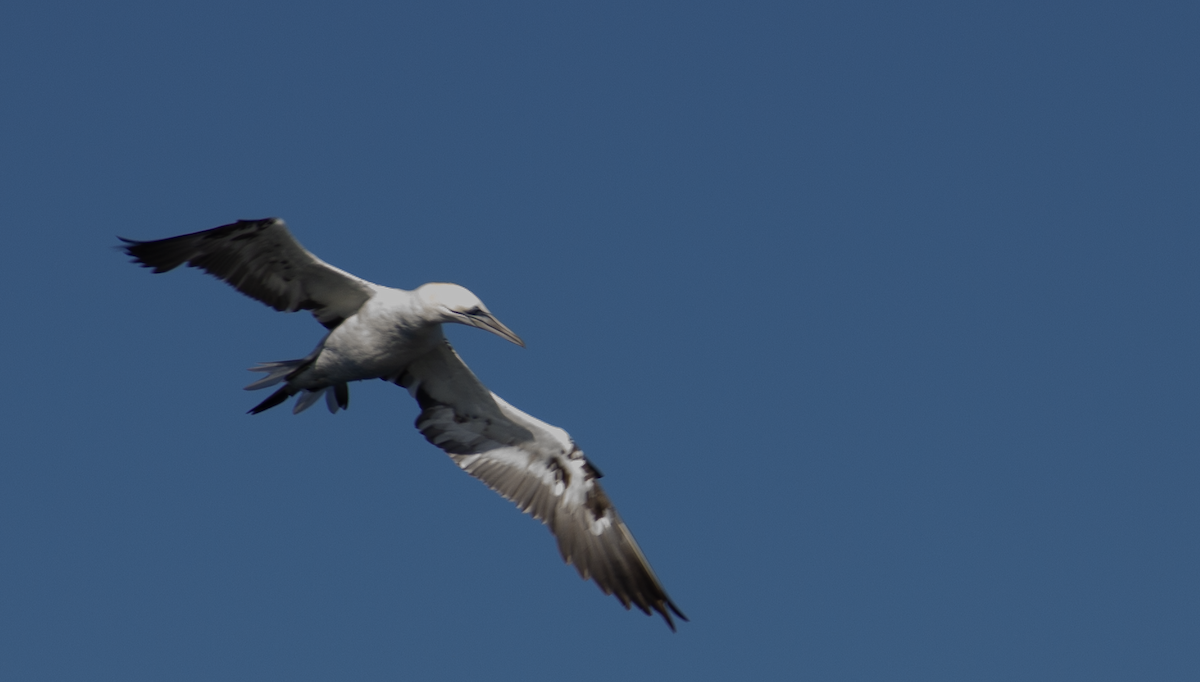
point(261, 259)
point(538, 467)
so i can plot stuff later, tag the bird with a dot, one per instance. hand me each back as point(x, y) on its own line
point(379, 332)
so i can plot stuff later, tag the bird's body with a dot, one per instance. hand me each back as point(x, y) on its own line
point(393, 328)
point(396, 335)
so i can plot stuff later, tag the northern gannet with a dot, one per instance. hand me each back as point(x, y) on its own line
point(396, 335)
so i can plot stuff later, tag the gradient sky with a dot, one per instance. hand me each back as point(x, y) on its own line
point(880, 319)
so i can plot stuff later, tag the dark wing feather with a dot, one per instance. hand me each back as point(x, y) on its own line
point(538, 467)
point(261, 259)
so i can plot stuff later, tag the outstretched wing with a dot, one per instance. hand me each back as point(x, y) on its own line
point(261, 259)
point(538, 467)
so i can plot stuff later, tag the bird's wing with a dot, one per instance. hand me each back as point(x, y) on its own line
point(261, 259)
point(538, 467)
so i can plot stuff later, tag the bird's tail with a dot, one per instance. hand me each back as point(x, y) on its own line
point(336, 396)
point(277, 372)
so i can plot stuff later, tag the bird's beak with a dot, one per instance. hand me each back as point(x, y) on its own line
point(494, 326)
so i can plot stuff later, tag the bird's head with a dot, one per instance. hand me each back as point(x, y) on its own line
point(452, 303)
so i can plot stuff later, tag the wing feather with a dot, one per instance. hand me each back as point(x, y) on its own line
point(261, 259)
point(540, 469)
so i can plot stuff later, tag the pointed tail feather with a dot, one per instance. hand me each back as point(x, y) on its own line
point(306, 399)
point(337, 396)
point(276, 398)
point(276, 372)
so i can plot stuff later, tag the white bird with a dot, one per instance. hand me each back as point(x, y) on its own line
point(396, 335)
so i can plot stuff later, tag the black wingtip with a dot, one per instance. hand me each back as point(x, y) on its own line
point(159, 256)
point(666, 610)
point(127, 249)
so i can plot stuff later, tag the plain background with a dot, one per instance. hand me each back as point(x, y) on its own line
point(880, 318)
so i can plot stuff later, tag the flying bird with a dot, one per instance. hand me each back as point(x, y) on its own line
point(396, 335)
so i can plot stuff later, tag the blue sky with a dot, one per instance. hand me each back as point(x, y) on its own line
point(880, 319)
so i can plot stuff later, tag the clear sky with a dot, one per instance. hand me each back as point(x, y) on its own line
point(880, 319)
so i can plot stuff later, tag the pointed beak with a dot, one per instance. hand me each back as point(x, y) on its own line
point(486, 321)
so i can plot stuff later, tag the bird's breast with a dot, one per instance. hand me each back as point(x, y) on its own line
point(368, 346)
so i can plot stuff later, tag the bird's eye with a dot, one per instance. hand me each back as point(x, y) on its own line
point(475, 311)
